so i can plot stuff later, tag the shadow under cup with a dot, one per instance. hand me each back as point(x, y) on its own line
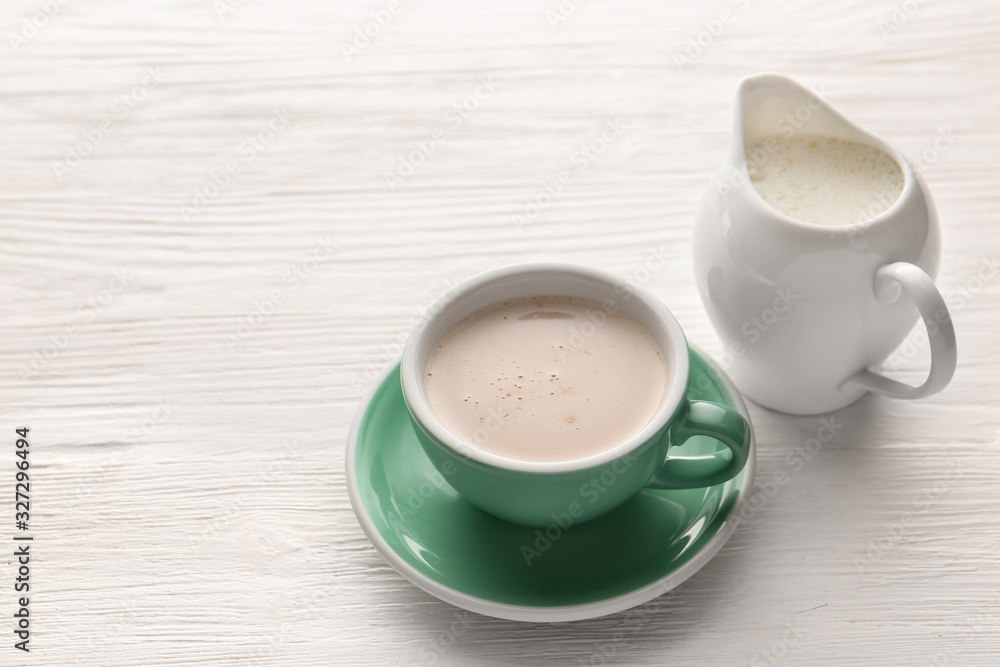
point(536, 493)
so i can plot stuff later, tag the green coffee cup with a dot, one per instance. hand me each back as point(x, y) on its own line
point(539, 493)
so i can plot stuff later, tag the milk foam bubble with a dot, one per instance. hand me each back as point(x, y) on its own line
point(546, 378)
point(823, 180)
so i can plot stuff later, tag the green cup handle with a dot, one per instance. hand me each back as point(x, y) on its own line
point(724, 424)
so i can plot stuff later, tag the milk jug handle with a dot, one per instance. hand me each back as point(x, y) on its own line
point(902, 277)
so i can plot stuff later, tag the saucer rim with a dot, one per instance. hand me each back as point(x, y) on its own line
point(541, 614)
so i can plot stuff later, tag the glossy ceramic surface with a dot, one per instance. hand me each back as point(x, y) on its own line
point(796, 304)
point(460, 554)
point(535, 493)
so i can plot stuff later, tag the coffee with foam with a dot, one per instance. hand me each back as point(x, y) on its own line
point(547, 378)
point(823, 180)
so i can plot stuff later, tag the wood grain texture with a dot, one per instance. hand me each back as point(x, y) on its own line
point(189, 503)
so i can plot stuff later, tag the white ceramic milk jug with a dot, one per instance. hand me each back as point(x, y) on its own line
point(804, 310)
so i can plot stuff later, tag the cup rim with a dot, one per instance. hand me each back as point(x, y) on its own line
point(420, 410)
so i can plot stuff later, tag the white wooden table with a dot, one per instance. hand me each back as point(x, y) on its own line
point(205, 265)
